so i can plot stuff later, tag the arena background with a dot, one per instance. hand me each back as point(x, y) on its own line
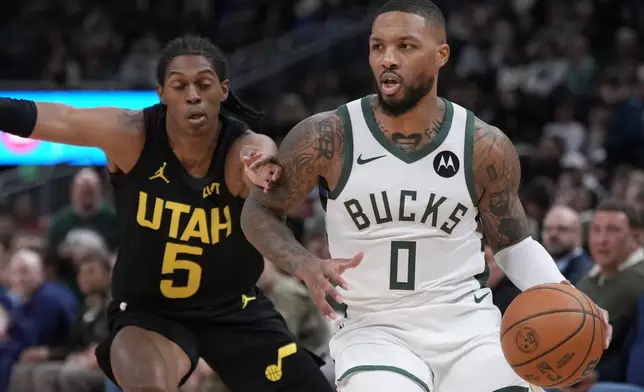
point(563, 79)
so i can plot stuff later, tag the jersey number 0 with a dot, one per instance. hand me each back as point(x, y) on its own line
point(401, 262)
point(172, 262)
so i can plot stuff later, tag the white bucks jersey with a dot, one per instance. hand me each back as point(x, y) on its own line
point(412, 214)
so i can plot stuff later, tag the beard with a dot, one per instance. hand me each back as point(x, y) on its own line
point(411, 96)
point(561, 251)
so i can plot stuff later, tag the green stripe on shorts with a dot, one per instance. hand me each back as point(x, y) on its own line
point(371, 368)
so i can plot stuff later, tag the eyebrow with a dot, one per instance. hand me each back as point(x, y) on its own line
point(203, 71)
point(403, 38)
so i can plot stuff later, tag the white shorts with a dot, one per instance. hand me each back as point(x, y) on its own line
point(432, 348)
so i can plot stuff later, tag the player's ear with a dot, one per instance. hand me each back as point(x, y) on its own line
point(159, 89)
point(224, 90)
point(442, 55)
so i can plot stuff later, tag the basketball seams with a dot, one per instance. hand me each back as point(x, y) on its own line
point(535, 315)
point(581, 326)
point(595, 317)
point(556, 346)
point(590, 346)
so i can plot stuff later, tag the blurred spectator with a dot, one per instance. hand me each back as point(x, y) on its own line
point(48, 311)
point(581, 67)
point(562, 239)
point(624, 140)
point(615, 283)
point(634, 356)
point(72, 366)
point(86, 211)
point(565, 127)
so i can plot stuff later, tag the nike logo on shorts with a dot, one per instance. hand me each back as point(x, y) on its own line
point(479, 299)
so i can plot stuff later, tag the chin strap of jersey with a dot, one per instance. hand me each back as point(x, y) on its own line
point(528, 264)
point(18, 116)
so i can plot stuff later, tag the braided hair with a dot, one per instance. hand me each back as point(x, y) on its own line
point(199, 46)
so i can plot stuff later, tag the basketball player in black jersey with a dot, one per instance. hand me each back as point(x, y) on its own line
point(184, 280)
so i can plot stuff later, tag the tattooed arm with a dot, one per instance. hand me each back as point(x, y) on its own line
point(497, 175)
point(311, 150)
point(304, 155)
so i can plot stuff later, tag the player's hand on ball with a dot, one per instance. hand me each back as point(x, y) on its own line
point(260, 167)
point(608, 329)
point(321, 276)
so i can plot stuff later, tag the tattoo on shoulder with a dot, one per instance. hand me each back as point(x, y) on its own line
point(307, 152)
point(497, 175)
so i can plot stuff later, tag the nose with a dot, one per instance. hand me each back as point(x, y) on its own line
point(192, 95)
point(389, 59)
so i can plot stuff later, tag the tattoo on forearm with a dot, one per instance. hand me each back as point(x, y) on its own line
point(305, 154)
point(498, 173)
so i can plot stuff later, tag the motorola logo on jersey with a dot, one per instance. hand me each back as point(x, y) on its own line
point(446, 164)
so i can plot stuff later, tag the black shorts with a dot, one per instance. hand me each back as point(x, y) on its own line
point(251, 349)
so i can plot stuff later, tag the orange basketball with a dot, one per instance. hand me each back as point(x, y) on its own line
point(552, 335)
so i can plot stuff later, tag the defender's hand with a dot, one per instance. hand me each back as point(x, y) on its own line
point(260, 167)
point(320, 277)
point(608, 329)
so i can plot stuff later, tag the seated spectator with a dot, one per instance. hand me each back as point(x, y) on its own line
point(616, 283)
point(634, 355)
point(73, 366)
point(562, 239)
point(87, 211)
point(43, 312)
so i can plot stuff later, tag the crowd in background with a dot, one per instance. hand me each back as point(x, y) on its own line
point(563, 79)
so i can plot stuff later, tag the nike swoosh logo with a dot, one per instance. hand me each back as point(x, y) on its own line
point(363, 161)
point(479, 299)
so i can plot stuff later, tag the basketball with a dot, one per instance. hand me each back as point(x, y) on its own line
point(552, 335)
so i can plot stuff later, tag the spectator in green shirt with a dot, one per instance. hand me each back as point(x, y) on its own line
point(87, 211)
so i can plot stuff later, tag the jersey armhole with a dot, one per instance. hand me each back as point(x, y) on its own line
point(151, 119)
point(347, 162)
point(468, 157)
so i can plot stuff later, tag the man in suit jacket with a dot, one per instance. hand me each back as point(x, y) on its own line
point(562, 238)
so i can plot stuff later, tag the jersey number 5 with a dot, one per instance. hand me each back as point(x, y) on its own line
point(171, 263)
point(401, 261)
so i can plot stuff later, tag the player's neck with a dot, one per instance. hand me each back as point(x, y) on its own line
point(193, 150)
point(423, 115)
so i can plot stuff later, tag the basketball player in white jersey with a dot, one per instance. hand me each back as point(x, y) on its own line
point(411, 179)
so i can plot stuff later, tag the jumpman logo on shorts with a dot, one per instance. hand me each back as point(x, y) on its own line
point(160, 174)
point(246, 299)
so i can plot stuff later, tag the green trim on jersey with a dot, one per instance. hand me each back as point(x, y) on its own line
point(414, 156)
point(347, 162)
point(483, 277)
point(513, 389)
point(371, 368)
point(469, 158)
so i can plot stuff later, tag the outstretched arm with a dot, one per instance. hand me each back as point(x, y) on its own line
point(305, 154)
point(117, 132)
